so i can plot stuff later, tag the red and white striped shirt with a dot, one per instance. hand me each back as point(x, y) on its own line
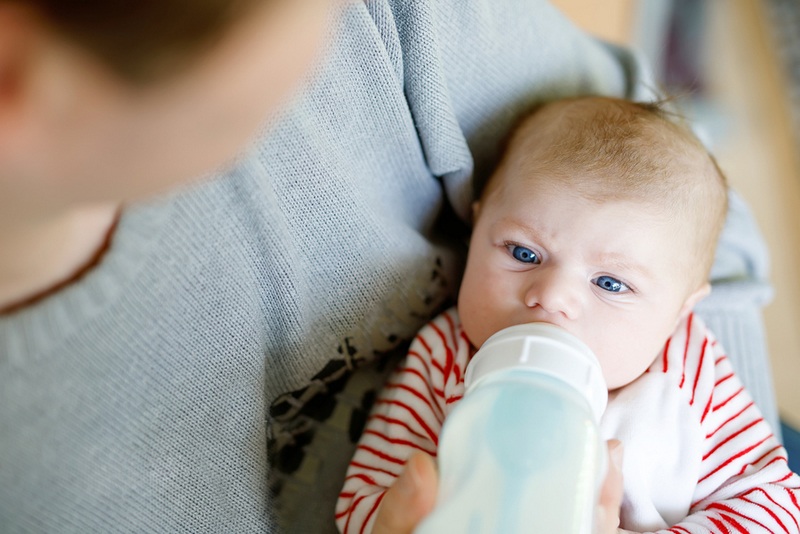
point(698, 455)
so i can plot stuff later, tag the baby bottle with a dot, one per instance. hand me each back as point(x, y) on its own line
point(522, 452)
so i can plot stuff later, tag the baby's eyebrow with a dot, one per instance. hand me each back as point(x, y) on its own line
point(622, 262)
point(612, 261)
point(519, 226)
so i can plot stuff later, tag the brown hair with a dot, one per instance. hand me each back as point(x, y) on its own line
point(624, 151)
point(142, 39)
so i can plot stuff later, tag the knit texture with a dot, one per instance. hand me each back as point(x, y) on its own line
point(200, 379)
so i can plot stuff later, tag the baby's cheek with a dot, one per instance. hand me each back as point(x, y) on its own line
point(478, 309)
point(476, 326)
point(621, 365)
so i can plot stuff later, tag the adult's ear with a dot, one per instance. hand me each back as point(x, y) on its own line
point(22, 34)
point(20, 31)
point(46, 83)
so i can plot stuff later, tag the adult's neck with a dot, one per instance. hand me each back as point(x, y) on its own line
point(41, 253)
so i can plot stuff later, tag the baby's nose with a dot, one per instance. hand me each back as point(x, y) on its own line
point(555, 291)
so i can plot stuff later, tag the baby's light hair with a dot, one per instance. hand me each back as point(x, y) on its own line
point(613, 150)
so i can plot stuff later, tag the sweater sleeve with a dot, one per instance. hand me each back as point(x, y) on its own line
point(744, 482)
point(407, 417)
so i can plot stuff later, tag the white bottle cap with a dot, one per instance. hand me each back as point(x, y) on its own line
point(548, 349)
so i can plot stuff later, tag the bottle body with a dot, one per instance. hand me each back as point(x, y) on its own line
point(521, 452)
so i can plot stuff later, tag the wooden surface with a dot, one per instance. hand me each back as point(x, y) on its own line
point(761, 160)
point(610, 19)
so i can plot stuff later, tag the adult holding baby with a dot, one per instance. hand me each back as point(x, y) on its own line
point(161, 362)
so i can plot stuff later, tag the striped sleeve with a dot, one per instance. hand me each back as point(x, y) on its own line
point(407, 417)
point(745, 484)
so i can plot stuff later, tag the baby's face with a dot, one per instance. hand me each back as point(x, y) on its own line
point(616, 275)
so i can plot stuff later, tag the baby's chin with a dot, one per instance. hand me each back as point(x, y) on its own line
point(476, 342)
point(617, 377)
point(476, 329)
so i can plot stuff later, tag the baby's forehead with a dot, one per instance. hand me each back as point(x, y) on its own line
point(622, 232)
point(606, 149)
point(635, 143)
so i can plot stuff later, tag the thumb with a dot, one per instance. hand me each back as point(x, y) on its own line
point(607, 514)
point(410, 498)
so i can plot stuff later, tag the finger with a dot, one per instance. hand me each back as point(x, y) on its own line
point(410, 498)
point(607, 517)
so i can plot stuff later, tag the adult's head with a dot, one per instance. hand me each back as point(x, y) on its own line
point(115, 100)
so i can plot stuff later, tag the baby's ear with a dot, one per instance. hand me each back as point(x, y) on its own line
point(476, 210)
point(692, 300)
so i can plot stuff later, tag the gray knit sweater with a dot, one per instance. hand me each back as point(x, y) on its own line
point(201, 378)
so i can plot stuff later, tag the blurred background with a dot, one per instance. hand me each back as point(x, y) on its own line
point(736, 66)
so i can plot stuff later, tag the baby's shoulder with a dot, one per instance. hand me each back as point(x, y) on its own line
point(444, 335)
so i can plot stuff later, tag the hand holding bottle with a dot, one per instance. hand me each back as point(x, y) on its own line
point(413, 496)
point(534, 398)
point(410, 499)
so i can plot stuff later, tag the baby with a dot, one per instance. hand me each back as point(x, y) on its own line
point(602, 218)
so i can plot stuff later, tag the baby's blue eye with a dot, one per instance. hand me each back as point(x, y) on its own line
point(524, 255)
point(609, 284)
